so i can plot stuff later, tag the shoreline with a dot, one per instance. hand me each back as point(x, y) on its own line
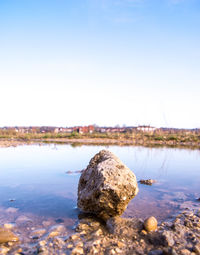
point(85, 234)
point(91, 236)
point(7, 142)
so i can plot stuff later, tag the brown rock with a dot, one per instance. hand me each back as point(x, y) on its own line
point(147, 182)
point(106, 186)
point(150, 224)
point(7, 236)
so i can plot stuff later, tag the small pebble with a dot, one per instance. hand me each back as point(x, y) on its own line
point(150, 224)
point(77, 251)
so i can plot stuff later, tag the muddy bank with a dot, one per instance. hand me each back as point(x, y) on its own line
point(100, 141)
point(14, 143)
point(92, 236)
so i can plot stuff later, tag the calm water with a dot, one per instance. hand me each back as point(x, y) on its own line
point(35, 178)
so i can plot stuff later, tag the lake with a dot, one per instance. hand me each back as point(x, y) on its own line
point(34, 182)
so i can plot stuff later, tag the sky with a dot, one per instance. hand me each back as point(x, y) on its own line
point(103, 62)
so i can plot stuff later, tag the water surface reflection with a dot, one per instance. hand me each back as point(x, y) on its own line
point(34, 178)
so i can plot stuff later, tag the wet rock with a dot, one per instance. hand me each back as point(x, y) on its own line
point(155, 252)
point(58, 242)
point(56, 230)
point(82, 227)
point(168, 238)
point(169, 251)
point(46, 223)
point(37, 233)
point(197, 249)
point(106, 186)
point(77, 251)
point(42, 243)
point(70, 246)
point(74, 172)
point(185, 252)
point(59, 221)
point(4, 250)
point(147, 182)
point(23, 219)
point(143, 232)
point(7, 236)
point(124, 227)
point(74, 237)
point(12, 210)
point(12, 200)
point(150, 224)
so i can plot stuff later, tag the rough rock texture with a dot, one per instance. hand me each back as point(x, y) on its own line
point(124, 227)
point(106, 186)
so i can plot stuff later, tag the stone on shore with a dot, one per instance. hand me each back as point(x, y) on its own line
point(7, 236)
point(106, 186)
point(150, 224)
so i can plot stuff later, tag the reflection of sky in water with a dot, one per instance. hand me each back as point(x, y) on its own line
point(36, 175)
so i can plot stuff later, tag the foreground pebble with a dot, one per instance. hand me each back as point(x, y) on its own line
point(7, 236)
point(150, 224)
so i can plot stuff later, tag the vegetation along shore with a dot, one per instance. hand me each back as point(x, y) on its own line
point(141, 135)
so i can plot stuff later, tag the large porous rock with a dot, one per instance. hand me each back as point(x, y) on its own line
point(106, 186)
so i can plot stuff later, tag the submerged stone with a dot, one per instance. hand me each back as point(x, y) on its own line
point(147, 182)
point(106, 186)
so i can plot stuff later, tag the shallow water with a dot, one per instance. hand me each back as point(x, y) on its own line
point(34, 183)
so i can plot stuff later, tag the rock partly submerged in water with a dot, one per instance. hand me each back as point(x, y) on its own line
point(147, 182)
point(106, 186)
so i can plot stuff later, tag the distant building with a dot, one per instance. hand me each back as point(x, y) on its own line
point(110, 129)
point(146, 128)
point(84, 129)
point(48, 129)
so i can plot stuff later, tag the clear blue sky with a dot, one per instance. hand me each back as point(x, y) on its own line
point(108, 62)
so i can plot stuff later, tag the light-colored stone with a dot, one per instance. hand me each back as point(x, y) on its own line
point(106, 186)
point(69, 246)
point(74, 237)
point(4, 250)
point(58, 228)
point(9, 225)
point(143, 232)
point(53, 234)
point(42, 243)
point(185, 252)
point(150, 224)
point(7, 236)
point(77, 251)
point(37, 233)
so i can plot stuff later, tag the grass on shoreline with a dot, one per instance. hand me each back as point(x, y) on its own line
point(191, 139)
